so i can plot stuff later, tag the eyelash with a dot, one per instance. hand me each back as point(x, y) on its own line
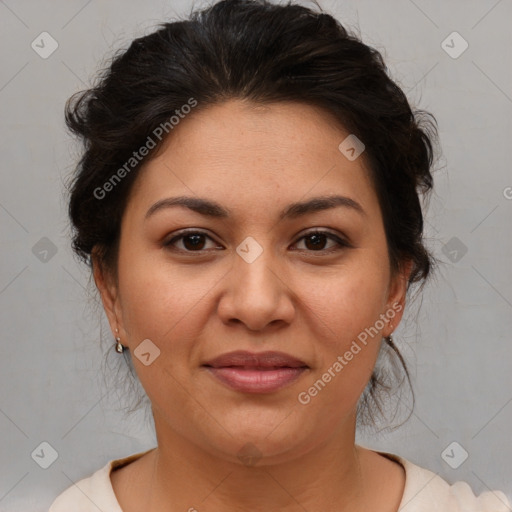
point(341, 244)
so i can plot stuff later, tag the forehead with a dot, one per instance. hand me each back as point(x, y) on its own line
point(240, 130)
point(251, 156)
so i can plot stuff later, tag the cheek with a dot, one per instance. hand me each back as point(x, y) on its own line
point(156, 295)
point(346, 302)
point(169, 305)
point(345, 312)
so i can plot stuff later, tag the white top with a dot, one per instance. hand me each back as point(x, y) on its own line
point(424, 491)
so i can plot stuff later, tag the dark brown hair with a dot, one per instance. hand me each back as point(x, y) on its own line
point(261, 52)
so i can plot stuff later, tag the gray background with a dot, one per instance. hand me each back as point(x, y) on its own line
point(458, 345)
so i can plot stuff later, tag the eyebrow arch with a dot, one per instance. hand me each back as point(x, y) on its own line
point(210, 208)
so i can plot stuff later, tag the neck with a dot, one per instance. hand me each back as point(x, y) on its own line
point(305, 478)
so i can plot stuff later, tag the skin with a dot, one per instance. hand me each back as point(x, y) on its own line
point(295, 298)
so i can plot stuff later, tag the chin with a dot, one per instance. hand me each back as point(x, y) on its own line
point(253, 443)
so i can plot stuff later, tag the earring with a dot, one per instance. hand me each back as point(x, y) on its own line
point(119, 347)
point(389, 338)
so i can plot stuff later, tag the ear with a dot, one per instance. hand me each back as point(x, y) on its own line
point(108, 289)
point(397, 295)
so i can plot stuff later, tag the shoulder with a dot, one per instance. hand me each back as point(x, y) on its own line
point(94, 492)
point(89, 494)
point(427, 491)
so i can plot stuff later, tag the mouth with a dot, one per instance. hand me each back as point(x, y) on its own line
point(247, 372)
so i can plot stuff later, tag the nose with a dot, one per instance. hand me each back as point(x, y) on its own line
point(257, 293)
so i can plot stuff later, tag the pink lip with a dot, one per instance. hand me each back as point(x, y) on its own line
point(262, 372)
point(256, 380)
point(254, 359)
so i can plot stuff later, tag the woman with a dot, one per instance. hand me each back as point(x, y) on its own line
point(249, 203)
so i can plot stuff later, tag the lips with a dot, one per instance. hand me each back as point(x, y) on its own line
point(264, 372)
point(269, 360)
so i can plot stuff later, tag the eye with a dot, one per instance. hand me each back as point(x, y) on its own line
point(193, 241)
point(317, 241)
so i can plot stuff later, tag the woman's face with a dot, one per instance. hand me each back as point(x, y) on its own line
point(254, 279)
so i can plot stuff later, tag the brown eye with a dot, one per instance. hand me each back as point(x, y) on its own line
point(192, 241)
point(315, 241)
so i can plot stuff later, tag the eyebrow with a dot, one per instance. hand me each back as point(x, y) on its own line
point(213, 209)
